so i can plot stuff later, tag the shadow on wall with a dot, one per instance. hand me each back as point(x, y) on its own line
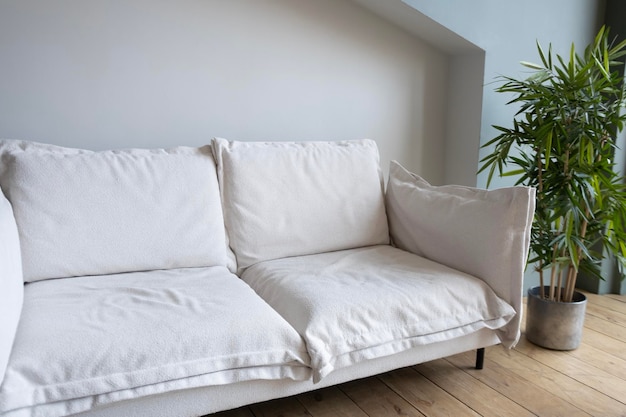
point(105, 75)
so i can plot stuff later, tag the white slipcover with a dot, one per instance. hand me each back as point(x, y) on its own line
point(11, 284)
point(485, 233)
point(88, 341)
point(93, 213)
point(356, 305)
point(297, 198)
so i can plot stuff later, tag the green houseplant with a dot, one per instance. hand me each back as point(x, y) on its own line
point(563, 143)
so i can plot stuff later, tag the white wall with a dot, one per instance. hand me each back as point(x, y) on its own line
point(463, 117)
point(105, 74)
point(463, 98)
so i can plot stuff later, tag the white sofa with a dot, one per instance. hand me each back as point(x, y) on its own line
point(185, 281)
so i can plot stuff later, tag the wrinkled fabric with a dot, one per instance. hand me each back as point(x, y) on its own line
point(355, 305)
point(137, 334)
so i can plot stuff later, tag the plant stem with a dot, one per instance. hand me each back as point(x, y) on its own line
point(572, 273)
point(552, 282)
point(553, 275)
point(542, 291)
point(559, 284)
point(570, 284)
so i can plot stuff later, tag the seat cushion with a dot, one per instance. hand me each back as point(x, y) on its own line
point(359, 304)
point(92, 213)
point(89, 341)
point(300, 198)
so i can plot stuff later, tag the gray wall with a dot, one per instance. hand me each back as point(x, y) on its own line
point(148, 73)
point(111, 73)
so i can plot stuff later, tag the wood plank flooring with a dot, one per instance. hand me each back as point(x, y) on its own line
point(525, 381)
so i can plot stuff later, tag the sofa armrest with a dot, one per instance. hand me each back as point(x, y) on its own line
point(485, 233)
point(11, 282)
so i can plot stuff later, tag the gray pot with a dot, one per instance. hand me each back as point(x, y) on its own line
point(555, 325)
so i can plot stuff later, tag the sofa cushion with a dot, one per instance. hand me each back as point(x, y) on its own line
point(298, 198)
point(87, 341)
point(11, 283)
point(359, 304)
point(463, 227)
point(91, 213)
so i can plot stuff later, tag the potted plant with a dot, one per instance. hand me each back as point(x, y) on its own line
point(563, 143)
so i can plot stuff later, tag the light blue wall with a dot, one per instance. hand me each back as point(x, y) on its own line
point(508, 31)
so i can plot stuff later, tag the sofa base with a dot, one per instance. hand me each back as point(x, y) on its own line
point(207, 400)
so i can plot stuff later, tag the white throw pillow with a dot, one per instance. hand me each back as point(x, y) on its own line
point(93, 213)
point(297, 198)
point(485, 233)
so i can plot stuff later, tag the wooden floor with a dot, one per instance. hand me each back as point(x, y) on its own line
point(527, 381)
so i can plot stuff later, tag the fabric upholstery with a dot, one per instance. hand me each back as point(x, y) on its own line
point(93, 213)
point(308, 225)
point(298, 198)
point(11, 283)
point(356, 305)
point(205, 400)
point(485, 233)
point(138, 334)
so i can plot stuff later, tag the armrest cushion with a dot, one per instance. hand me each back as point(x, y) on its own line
point(11, 282)
point(483, 233)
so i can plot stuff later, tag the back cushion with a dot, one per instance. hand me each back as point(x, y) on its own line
point(92, 213)
point(299, 198)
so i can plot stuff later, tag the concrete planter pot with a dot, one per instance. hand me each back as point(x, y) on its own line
point(553, 325)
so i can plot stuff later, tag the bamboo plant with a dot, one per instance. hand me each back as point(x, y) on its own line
point(563, 143)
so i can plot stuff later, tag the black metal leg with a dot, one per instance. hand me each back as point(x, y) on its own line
point(480, 358)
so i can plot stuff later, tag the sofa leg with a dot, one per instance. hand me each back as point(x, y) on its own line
point(480, 358)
